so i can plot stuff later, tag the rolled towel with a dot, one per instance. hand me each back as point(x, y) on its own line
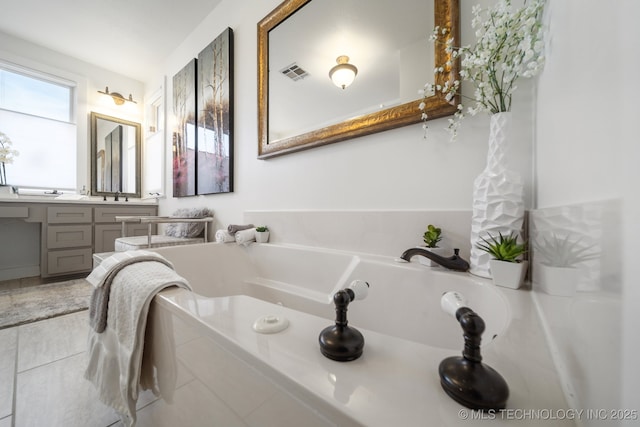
point(233, 228)
point(244, 237)
point(223, 236)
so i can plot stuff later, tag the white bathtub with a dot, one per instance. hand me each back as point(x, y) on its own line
point(403, 301)
point(214, 366)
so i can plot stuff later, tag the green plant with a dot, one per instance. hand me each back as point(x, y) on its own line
point(504, 248)
point(262, 229)
point(432, 236)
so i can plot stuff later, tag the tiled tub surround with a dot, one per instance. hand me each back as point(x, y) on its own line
point(580, 245)
point(369, 231)
point(212, 361)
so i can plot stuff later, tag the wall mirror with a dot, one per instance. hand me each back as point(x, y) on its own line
point(299, 107)
point(115, 156)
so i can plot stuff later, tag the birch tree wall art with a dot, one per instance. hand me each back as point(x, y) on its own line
point(215, 116)
point(184, 133)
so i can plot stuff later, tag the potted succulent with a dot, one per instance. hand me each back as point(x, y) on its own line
point(431, 237)
point(262, 234)
point(507, 268)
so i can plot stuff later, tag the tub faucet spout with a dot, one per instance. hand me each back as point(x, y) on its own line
point(454, 262)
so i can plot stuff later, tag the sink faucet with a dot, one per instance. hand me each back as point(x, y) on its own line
point(452, 263)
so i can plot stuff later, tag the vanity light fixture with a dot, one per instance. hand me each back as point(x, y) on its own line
point(343, 74)
point(117, 98)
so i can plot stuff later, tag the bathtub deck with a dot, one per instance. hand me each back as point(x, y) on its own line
point(395, 382)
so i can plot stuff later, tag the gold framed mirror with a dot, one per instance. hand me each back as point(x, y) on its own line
point(283, 52)
point(115, 156)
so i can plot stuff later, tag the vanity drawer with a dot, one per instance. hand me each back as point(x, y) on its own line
point(14, 212)
point(69, 215)
point(69, 236)
point(108, 215)
point(69, 261)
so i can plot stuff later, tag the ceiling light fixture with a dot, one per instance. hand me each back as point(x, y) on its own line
point(118, 99)
point(343, 74)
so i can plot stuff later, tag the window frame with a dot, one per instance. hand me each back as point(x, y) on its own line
point(62, 78)
point(48, 78)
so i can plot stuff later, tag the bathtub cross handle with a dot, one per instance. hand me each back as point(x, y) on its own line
point(342, 342)
point(466, 379)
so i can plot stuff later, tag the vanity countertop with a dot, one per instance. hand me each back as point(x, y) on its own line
point(67, 200)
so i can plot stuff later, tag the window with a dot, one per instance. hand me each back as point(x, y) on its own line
point(153, 157)
point(37, 113)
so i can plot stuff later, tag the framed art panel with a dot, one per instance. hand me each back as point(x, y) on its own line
point(184, 134)
point(214, 158)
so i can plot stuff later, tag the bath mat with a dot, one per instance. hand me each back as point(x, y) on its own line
point(26, 305)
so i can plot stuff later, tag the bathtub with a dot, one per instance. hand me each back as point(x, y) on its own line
point(213, 368)
point(403, 301)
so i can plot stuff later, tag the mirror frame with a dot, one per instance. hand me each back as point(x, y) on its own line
point(446, 14)
point(94, 160)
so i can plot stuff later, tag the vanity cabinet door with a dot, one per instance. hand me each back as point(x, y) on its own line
point(69, 261)
point(107, 230)
point(106, 235)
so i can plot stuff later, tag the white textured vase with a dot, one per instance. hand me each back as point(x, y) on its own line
point(498, 202)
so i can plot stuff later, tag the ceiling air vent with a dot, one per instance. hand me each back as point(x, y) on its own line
point(294, 72)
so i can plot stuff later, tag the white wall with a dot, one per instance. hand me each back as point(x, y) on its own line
point(587, 151)
point(396, 169)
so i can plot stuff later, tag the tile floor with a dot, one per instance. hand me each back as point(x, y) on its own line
point(41, 373)
point(42, 384)
point(41, 376)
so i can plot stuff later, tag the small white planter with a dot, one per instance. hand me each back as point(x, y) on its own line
point(508, 274)
point(558, 281)
point(438, 251)
point(262, 236)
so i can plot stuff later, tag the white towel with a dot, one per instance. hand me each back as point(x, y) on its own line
point(102, 278)
point(223, 236)
point(234, 228)
point(115, 356)
point(117, 261)
point(244, 237)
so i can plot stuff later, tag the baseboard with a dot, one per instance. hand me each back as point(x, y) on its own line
point(19, 272)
